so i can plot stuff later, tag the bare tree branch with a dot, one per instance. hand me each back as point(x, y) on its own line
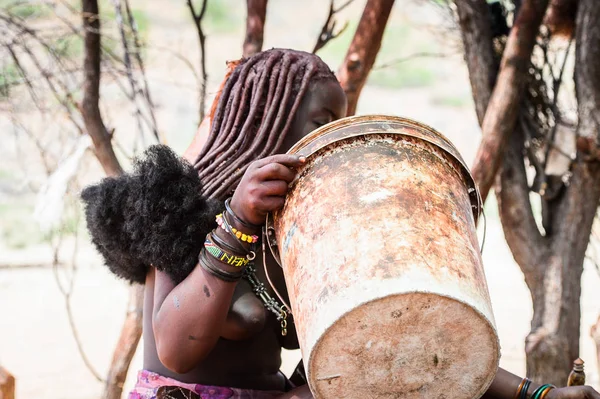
point(503, 108)
point(520, 229)
point(127, 344)
point(66, 292)
point(197, 16)
point(363, 50)
point(328, 30)
point(138, 55)
point(91, 91)
point(475, 24)
point(255, 26)
point(412, 57)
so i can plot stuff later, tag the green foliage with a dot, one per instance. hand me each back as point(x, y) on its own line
point(398, 40)
point(68, 46)
point(9, 76)
point(411, 74)
point(222, 16)
point(16, 228)
point(25, 9)
point(451, 100)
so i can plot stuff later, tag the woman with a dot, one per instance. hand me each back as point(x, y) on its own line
point(211, 328)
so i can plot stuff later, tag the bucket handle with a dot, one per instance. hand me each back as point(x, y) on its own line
point(267, 239)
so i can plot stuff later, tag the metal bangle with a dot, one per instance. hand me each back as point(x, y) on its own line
point(541, 389)
point(237, 219)
point(543, 395)
point(238, 250)
point(523, 394)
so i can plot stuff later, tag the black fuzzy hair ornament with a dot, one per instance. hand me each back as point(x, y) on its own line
point(152, 216)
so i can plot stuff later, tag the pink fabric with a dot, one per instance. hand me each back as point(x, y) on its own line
point(149, 382)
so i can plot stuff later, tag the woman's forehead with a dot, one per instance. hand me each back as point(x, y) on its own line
point(328, 94)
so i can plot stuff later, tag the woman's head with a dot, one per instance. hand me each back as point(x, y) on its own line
point(268, 103)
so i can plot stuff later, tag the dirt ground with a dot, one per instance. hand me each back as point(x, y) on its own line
point(36, 342)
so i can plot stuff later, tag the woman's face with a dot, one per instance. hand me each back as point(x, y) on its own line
point(324, 102)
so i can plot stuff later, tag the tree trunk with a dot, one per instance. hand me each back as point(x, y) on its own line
point(127, 345)
point(505, 102)
point(255, 26)
point(553, 264)
point(363, 50)
point(7, 385)
point(91, 90)
point(132, 328)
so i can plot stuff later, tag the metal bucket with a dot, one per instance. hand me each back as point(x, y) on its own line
point(378, 244)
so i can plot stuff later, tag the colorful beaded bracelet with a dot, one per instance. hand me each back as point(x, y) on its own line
point(225, 257)
point(250, 239)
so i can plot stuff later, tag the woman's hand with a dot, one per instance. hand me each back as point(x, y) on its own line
point(264, 186)
point(579, 392)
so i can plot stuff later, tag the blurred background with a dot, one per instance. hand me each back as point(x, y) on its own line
point(61, 311)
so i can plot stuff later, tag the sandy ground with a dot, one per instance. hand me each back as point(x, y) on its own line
point(36, 343)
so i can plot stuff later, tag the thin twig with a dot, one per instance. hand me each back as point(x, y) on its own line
point(202, 38)
point(66, 292)
point(128, 70)
point(138, 55)
point(328, 30)
point(413, 57)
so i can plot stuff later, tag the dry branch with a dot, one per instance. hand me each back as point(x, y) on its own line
point(475, 26)
point(198, 16)
point(363, 50)
point(255, 26)
point(503, 108)
point(328, 32)
point(91, 91)
point(127, 345)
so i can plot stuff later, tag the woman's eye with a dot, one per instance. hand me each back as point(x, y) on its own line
point(320, 123)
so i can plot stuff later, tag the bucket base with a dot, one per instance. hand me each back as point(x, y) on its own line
point(415, 345)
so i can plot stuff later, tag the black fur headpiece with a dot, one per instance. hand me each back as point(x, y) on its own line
point(152, 216)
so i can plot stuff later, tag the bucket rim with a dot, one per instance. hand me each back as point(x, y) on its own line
point(326, 135)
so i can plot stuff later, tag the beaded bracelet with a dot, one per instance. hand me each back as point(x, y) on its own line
point(542, 390)
point(224, 223)
point(222, 255)
point(215, 271)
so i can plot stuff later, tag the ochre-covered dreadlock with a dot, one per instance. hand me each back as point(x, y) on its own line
point(154, 215)
point(255, 109)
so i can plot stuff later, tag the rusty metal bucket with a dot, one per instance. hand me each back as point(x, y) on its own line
point(378, 244)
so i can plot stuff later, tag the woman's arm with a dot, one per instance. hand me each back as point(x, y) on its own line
point(188, 319)
point(506, 384)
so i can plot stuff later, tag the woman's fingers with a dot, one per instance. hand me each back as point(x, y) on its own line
point(276, 171)
point(277, 188)
point(291, 161)
point(272, 203)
